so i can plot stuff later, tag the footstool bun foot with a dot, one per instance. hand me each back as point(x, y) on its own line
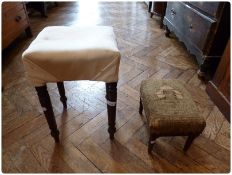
point(151, 143)
point(189, 141)
point(150, 147)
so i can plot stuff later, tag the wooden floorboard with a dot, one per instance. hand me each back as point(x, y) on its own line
point(85, 145)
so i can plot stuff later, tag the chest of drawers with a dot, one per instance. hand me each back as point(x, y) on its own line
point(14, 22)
point(204, 27)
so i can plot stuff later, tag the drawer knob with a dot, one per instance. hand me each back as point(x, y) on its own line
point(18, 18)
point(190, 26)
point(173, 12)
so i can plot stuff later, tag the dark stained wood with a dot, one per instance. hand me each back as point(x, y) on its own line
point(111, 97)
point(63, 98)
point(219, 99)
point(151, 142)
point(48, 111)
point(140, 107)
point(189, 141)
point(219, 88)
point(39, 6)
point(159, 9)
point(28, 32)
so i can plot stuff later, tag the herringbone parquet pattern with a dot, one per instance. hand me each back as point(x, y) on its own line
point(85, 146)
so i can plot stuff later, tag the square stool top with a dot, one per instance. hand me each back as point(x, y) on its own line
point(169, 107)
point(66, 53)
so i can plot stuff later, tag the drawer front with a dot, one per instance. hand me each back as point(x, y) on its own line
point(14, 21)
point(194, 26)
point(210, 8)
point(9, 7)
point(8, 37)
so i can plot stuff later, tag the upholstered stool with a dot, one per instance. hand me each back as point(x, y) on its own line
point(170, 111)
point(62, 53)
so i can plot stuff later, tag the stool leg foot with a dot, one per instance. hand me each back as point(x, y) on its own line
point(48, 111)
point(189, 142)
point(111, 97)
point(151, 14)
point(167, 32)
point(151, 143)
point(140, 107)
point(161, 22)
point(150, 147)
point(63, 98)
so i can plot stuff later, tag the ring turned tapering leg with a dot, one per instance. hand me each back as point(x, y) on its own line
point(48, 111)
point(140, 107)
point(63, 98)
point(111, 97)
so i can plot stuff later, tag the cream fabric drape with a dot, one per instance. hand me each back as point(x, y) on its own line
point(65, 53)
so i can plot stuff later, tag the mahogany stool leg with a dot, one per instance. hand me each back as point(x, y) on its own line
point(140, 107)
point(63, 98)
point(149, 6)
point(48, 111)
point(111, 97)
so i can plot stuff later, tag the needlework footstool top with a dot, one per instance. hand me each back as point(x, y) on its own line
point(169, 108)
point(66, 53)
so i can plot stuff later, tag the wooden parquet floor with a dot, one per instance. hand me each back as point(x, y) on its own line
point(85, 146)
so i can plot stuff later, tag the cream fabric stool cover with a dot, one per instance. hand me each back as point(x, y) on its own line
point(67, 53)
point(62, 53)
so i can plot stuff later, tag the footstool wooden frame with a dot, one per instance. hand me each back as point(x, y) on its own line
point(69, 53)
point(153, 136)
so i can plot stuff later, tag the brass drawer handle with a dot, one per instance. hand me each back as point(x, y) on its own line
point(18, 18)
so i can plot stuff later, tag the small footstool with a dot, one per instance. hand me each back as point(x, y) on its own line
point(65, 53)
point(170, 111)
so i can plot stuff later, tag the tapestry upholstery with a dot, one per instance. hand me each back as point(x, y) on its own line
point(169, 108)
